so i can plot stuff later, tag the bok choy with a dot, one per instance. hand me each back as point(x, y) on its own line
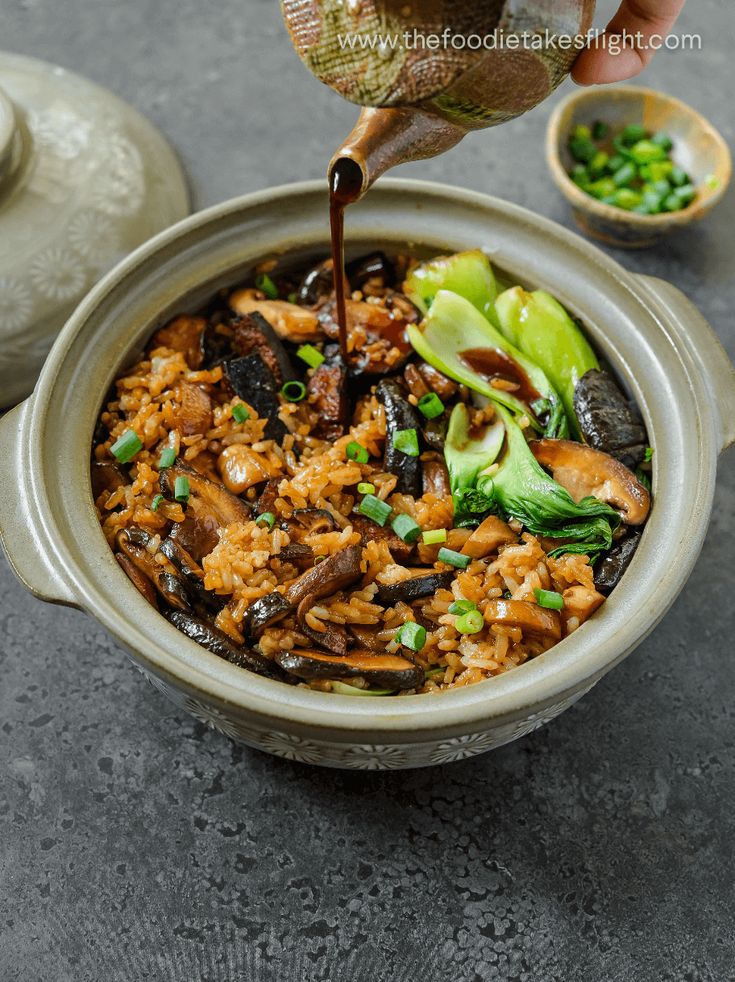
point(454, 330)
point(468, 274)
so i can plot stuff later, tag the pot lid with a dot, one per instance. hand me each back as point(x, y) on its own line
point(84, 179)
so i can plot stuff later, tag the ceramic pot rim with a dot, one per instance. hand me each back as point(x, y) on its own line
point(650, 587)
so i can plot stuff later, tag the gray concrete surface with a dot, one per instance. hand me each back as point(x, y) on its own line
point(137, 845)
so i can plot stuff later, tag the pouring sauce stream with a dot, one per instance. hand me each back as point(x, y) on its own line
point(345, 184)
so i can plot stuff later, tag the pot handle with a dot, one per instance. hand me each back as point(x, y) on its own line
point(22, 540)
point(705, 347)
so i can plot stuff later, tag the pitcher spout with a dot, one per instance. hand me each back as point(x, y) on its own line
point(383, 138)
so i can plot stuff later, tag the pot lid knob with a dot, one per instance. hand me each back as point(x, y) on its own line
point(84, 179)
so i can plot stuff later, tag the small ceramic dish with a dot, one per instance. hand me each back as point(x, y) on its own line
point(698, 148)
point(656, 342)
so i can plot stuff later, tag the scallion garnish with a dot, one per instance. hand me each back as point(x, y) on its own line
point(266, 518)
point(430, 405)
point(374, 508)
point(648, 454)
point(411, 635)
point(293, 391)
point(471, 622)
point(126, 446)
point(156, 502)
point(434, 536)
point(365, 487)
point(549, 599)
point(311, 355)
point(405, 528)
point(452, 558)
point(462, 606)
point(355, 451)
point(407, 442)
point(344, 689)
point(181, 489)
point(240, 413)
point(265, 284)
point(167, 458)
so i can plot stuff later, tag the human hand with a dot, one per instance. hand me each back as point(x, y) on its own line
point(643, 19)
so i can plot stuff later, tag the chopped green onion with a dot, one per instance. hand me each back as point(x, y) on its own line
point(156, 502)
point(434, 536)
point(712, 182)
point(240, 413)
point(599, 163)
point(662, 139)
point(625, 175)
point(126, 446)
point(167, 458)
point(293, 391)
point(582, 148)
point(181, 488)
point(549, 599)
point(615, 163)
point(627, 198)
point(311, 355)
point(356, 451)
point(374, 508)
point(686, 193)
point(581, 132)
point(453, 558)
point(293, 297)
point(405, 528)
point(411, 635)
point(344, 689)
point(470, 623)
point(679, 177)
point(462, 606)
point(407, 442)
point(266, 518)
point(633, 134)
point(600, 130)
point(265, 284)
point(365, 487)
point(431, 405)
point(647, 152)
point(648, 454)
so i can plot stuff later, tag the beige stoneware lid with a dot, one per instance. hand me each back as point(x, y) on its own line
point(84, 179)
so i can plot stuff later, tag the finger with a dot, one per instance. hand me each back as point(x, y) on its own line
point(644, 20)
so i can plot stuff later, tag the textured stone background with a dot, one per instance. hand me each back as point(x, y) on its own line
point(135, 844)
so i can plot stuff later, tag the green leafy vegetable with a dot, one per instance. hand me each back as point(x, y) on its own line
point(465, 453)
point(453, 326)
point(544, 331)
point(468, 274)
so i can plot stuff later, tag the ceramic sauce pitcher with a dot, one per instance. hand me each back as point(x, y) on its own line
point(428, 71)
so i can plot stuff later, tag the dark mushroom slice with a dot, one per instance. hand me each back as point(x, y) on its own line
point(584, 471)
point(184, 334)
point(108, 476)
point(210, 507)
point(313, 521)
point(367, 638)
point(400, 415)
point(334, 637)
point(139, 580)
point(334, 573)
point(369, 531)
point(317, 284)
point(414, 382)
point(444, 387)
point(435, 478)
point(134, 544)
point(215, 343)
point(488, 537)
point(386, 347)
point(609, 570)
point(267, 500)
point(265, 612)
point(373, 266)
point(193, 576)
point(413, 588)
point(220, 644)
point(193, 409)
point(252, 334)
point(607, 420)
point(327, 394)
point(252, 380)
point(297, 553)
point(434, 432)
point(387, 671)
point(533, 620)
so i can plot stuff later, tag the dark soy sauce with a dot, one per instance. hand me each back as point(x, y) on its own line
point(345, 184)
